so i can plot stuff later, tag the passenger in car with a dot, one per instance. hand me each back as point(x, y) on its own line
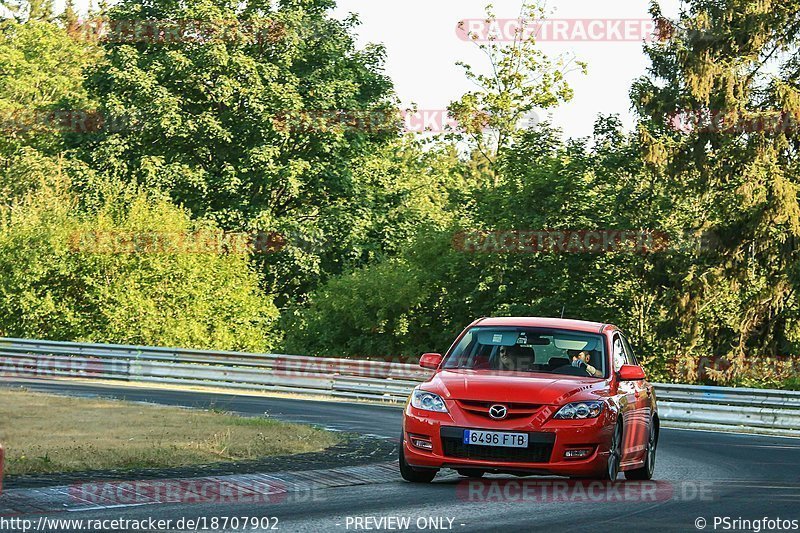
point(515, 358)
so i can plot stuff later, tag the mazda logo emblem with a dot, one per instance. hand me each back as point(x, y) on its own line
point(498, 412)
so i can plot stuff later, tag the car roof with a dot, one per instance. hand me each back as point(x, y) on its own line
point(543, 322)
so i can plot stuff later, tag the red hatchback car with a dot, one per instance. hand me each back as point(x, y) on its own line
point(532, 396)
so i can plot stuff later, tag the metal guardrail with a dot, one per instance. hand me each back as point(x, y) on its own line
point(732, 409)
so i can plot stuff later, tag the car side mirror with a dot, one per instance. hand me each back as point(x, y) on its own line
point(430, 360)
point(631, 373)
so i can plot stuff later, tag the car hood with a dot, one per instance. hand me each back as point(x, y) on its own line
point(478, 385)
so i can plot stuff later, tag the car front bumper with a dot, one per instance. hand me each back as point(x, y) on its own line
point(549, 440)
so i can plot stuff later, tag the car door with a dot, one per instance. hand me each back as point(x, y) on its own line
point(629, 393)
point(642, 417)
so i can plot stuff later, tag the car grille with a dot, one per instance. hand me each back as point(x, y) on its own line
point(539, 450)
point(515, 410)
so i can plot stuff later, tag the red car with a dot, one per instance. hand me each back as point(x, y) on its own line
point(532, 396)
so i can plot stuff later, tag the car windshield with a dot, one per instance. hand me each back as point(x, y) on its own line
point(519, 349)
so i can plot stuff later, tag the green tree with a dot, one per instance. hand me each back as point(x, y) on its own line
point(398, 190)
point(237, 124)
point(736, 60)
point(42, 97)
point(521, 80)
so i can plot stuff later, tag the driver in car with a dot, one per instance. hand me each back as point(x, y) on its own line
point(580, 359)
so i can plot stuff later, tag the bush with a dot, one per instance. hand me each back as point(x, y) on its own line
point(367, 312)
point(55, 286)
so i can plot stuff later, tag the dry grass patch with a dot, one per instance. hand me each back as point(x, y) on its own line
point(48, 433)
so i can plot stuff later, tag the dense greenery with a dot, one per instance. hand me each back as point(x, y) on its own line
point(235, 131)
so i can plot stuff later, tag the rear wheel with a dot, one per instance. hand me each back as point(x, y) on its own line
point(470, 472)
point(414, 475)
point(646, 471)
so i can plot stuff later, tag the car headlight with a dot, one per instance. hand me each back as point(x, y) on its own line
point(428, 401)
point(579, 410)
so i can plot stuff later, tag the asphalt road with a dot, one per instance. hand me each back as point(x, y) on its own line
point(750, 481)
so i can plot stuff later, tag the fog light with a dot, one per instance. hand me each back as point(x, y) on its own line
point(424, 444)
point(577, 454)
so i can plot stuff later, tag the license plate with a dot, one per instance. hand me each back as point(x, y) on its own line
point(495, 438)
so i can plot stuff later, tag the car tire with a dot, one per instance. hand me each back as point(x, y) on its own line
point(614, 456)
point(470, 472)
point(411, 474)
point(646, 471)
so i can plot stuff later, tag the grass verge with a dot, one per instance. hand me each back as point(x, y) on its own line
point(45, 433)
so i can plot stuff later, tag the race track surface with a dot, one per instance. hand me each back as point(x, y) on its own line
point(703, 479)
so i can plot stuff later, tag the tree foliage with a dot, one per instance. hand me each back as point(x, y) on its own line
point(248, 116)
point(59, 282)
point(737, 180)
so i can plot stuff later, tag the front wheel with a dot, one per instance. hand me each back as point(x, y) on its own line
point(614, 455)
point(414, 475)
point(646, 472)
